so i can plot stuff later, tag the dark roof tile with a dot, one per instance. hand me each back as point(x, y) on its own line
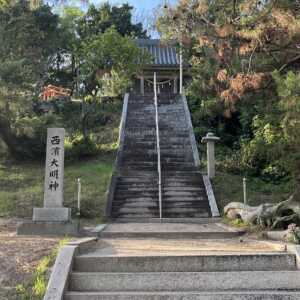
point(163, 55)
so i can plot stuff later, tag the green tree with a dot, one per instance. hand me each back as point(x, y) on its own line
point(233, 48)
point(108, 63)
point(97, 20)
point(28, 47)
point(289, 92)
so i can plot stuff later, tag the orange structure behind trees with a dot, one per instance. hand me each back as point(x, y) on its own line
point(51, 91)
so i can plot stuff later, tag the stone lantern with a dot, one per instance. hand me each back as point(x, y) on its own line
point(210, 139)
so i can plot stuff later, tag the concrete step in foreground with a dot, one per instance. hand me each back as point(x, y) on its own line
point(185, 281)
point(169, 231)
point(146, 268)
point(222, 295)
point(212, 262)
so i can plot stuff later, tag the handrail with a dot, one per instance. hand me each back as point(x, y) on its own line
point(158, 147)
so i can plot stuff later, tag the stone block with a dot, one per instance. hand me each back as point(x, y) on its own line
point(48, 228)
point(51, 214)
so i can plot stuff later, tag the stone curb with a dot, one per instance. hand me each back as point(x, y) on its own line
point(58, 281)
point(295, 249)
point(191, 131)
point(113, 181)
point(291, 248)
point(211, 197)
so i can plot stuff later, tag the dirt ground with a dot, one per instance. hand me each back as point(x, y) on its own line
point(19, 256)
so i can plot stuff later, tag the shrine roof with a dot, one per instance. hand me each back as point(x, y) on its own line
point(164, 55)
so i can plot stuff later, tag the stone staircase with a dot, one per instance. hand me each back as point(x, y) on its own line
point(158, 268)
point(257, 276)
point(136, 192)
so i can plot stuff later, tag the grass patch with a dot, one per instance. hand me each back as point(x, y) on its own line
point(21, 186)
point(36, 288)
point(229, 188)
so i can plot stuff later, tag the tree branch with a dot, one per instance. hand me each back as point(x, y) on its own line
point(289, 62)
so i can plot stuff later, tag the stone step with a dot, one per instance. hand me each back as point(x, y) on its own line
point(181, 210)
point(191, 188)
point(130, 158)
point(136, 204)
point(184, 198)
point(134, 216)
point(167, 206)
point(135, 168)
point(137, 180)
point(141, 114)
point(185, 281)
point(182, 184)
point(146, 127)
point(203, 213)
point(178, 195)
point(141, 143)
point(139, 167)
point(145, 151)
point(167, 202)
point(121, 196)
point(182, 129)
point(170, 295)
point(173, 199)
point(173, 148)
point(183, 206)
point(178, 168)
point(142, 120)
point(133, 138)
point(163, 139)
point(186, 177)
point(142, 123)
point(212, 262)
point(204, 220)
point(139, 152)
point(147, 117)
point(135, 210)
point(166, 235)
point(136, 199)
point(180, 174)
point(129, 188)
point(137, 172)
point(141, 163)
point(182, 151)
point(167, 195)
point(138, 183)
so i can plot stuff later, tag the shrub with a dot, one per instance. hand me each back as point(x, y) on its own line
point(80, 148)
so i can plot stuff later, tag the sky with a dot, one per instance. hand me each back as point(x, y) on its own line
point(140, 5)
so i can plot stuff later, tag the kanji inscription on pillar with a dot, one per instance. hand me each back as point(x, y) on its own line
point(54, 170)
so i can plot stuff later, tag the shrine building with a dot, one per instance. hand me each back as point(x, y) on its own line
point(166, 64)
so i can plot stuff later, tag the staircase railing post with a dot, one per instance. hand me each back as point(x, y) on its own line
point(158, 146)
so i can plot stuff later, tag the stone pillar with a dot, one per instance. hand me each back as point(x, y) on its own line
point(210, 139)
point(142, 85)
point(53, 209)
point(175, 85)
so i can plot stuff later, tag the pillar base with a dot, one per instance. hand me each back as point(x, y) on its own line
point(51, 214)
point(48, 228)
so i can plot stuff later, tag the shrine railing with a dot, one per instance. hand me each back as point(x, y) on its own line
point(158, 147)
